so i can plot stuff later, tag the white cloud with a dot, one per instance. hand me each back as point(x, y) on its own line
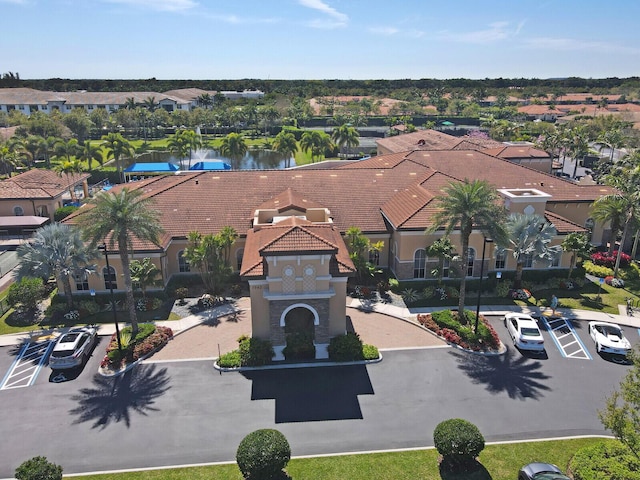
point(236, 20)
point(495, 32)
point(161, 5)
point(572, 44)
point(386, 31)
point(336, 19)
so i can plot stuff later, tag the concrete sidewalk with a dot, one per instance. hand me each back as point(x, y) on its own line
point(191, 321)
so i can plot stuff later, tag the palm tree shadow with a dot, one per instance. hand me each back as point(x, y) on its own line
point(114, 399)
point(520, 377)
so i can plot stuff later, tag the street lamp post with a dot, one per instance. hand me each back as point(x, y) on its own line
point(103, 248)
point(484, 246)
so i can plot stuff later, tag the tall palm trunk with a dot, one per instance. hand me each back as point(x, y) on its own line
point(66, 287)
point(463, 281)
point(624, 238)
point(519, 269)
point(128, 285)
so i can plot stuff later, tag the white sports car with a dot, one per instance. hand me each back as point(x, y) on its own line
point(524, 331)
point(609, 338)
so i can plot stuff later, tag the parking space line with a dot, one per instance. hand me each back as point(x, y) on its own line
point(566, 330)
point(24, 370)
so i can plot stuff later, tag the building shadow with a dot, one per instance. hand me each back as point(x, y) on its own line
point(520, 377)
point(117, 399)
point(312, 394)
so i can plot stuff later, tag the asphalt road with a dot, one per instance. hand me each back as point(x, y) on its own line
point(186, 412)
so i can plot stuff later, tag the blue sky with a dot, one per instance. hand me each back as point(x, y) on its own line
point(319, 39)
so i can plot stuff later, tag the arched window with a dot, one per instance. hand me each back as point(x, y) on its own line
point(309, 278)
point(419, 262)
point(289, 279)
point(239, 257)
point(471, 261)
point(183, 263)
point(18, 211)
point(110, 279)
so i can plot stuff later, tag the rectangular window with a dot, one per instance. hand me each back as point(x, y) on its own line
point(374, 257)
point(501, 260)
point(527, 261)
point(82, 281)
point(555, 262)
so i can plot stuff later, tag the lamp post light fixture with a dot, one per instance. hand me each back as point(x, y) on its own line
point(484, 246)
point(103, 248)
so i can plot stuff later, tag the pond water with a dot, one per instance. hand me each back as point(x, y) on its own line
point(253, 160)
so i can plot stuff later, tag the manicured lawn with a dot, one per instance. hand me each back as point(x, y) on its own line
point(499, 462)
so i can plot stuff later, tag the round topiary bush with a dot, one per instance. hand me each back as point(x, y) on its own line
point(458, 441)
point(263, 454)
point(38, 468)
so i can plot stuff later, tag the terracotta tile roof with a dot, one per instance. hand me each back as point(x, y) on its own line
point(286, 240)
point(433, 140)
point(541, 110)
point(563, 225)
point(39, 183)
point(517, 151)
point(289, 199)
point(363, 194)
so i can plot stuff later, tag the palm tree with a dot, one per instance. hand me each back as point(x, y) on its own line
point(612, 139)
point(228, 236)
point(205, 101)
point(286, 145)
point(463, 206)
point(178, 145)
point(144, 273)
point(578, 146)
point(579, 246)
point(67, 168)
point(150, 104)
point(529, 236)
point(8, 159)
point(193, 141)
point(91, 152)
point(67, 149)
point(269, 114)
point(627, 183)
point(347, 135)
point(610, 209)
point(117, 219)
point(56, 250)
point(316, 142)
point(34, 145)
point(234, 147)
point(117, 147)
point(442, 249)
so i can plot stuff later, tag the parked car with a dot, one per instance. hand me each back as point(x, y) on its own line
point(524, 331)
point(73, 348)
point(609, 338)
point(541, 471)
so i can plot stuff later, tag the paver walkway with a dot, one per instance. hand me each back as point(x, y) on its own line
point(202, 341)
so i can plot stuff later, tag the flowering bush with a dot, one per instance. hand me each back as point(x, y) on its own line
point(614, 282)
point(440, 293)
point(567, 285)
point(606, 259)
point(141, 305)
point(157, 339)
point(520, 294)
point(72, 315)
point(149, 338)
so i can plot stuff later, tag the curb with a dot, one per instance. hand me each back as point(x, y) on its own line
point(295, 365)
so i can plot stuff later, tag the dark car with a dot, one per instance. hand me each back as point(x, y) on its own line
point(73, 348)
point(541, 471)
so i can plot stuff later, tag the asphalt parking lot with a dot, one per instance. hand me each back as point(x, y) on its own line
point(186, 412)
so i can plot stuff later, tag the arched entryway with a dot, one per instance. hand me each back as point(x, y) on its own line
point(299, 323)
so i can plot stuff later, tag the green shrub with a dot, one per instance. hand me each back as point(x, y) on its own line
point(370, 352)
point(458, 441)
point(230, 360)
point(596, 270)
point(610, 460)
point(38, 468)
point(410, 295)
point(346, 348)
point(63, 212)
point(182, 292)
point(394, 285)
point(90, 306)
point(299, 347)
point(26, 293)
point(263, 454)
point(254, 351)
point(632, 272)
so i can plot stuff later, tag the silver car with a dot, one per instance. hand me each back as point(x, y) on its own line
point(541, 471)
point(73, 348)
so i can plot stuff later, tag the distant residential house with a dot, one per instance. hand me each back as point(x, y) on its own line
point(29, 100)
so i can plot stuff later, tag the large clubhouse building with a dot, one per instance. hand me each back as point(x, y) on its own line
point(291, 225)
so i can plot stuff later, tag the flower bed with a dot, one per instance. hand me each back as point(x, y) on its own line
point(149, 339)
point(445, 324)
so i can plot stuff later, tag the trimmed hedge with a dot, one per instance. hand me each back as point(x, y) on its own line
point(38, 468)
point(458, 441)
point(263, 454)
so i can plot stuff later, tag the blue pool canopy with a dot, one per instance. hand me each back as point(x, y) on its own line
point(215, 165)
point(152, 167)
